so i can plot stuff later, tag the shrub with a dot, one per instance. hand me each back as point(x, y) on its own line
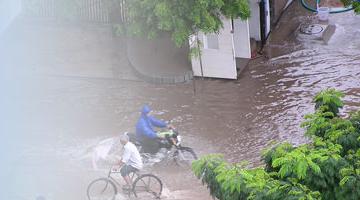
point(326, 168)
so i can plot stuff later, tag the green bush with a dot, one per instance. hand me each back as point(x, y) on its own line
point(329, 101)
point(355, 4)
point(326, 168)
point(355, 120)
point(147, 18)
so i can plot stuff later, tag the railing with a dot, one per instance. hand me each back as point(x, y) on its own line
point(85, 10)
point(39, 8)
point(93, 10)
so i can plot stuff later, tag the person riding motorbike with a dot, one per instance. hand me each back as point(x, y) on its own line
point(145, 133)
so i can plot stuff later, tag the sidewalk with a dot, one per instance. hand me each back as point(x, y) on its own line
point(159, 60)
point(50, 48)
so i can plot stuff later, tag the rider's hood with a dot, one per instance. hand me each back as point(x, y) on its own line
point(145, 110)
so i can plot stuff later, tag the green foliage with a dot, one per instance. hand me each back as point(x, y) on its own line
point(347, 2)
point(297, 162)
point(329, 101)
point(318, 123)
point(355, 120)
point(350, 177)
point(341, 131)
point(326, 168)
point(235, 182)
point(204, 169)
point(276, 152)
point(181, 18)
point(355, 4)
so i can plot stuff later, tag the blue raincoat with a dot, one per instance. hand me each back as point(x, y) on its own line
point(145, 124)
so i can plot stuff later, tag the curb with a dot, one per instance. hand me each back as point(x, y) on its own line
point(186, 77)
point(165, 79)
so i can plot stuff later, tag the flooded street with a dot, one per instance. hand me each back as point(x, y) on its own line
point(57, 107)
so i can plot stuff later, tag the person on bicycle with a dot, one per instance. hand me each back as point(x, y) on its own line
point(145, 132)
point(130, 161)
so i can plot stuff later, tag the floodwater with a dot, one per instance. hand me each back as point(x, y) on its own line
point(56, 107)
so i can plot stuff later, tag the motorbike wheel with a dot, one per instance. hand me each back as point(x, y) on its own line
point(184, 156)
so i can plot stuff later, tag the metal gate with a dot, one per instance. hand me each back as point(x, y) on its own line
point(85, 10)
point(38, 8)
point(93, 10)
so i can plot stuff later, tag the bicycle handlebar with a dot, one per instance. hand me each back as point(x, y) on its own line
point(112, 171)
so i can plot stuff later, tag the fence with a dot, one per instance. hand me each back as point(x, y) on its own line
point(39, 8)
point(85, 10)
point(94, 10)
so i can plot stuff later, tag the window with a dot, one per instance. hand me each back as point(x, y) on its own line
point(211, 41)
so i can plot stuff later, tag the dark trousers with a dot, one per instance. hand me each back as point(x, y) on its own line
point(150, 145)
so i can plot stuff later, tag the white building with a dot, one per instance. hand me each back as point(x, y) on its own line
point(221, 53)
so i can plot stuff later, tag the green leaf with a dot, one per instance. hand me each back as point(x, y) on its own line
point(301, 169)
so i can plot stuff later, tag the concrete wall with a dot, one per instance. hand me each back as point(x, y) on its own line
point(276, 9)
point(158, 55)
point(242, 39)
point(9, 9)
point(254, 21)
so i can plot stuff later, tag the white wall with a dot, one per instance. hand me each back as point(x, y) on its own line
point(9, 9)
point(242, 39)
point(217, 63)
point(254, 21)
point(267, 10)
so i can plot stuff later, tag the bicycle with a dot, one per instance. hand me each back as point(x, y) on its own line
point(145, 186)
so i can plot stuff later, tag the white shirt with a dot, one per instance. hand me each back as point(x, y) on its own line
point(131, 156)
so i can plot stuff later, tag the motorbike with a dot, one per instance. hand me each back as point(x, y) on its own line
point(170, 146)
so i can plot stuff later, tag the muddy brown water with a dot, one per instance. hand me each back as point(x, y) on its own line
point(51, 122)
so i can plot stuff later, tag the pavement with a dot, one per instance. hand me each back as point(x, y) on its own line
point(67, 49)
point(91, 51)
point(159, 60)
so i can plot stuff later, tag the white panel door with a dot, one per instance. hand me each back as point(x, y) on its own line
point(242, 39)
point(217, 58)
point(254, 21)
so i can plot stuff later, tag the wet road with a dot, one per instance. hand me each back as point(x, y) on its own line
point(56, 116)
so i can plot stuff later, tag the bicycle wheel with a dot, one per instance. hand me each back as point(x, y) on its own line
point(101, 189)
point(184, 156)
point(147, 186)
